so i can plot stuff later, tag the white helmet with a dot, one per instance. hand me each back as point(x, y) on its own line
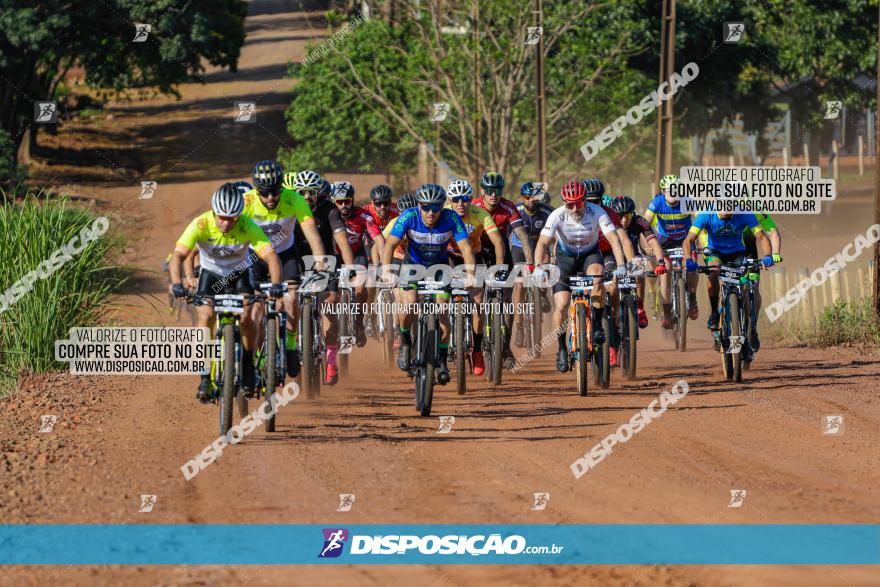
point(459, 188)
point(227, 200)
point(306, 180)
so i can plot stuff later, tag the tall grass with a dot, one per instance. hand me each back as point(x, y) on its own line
point(76, 294)
point(844, 323)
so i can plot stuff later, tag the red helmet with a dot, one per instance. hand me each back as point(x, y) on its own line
point(573, 191)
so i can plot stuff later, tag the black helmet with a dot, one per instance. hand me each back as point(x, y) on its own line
point(624, 205)
point(595, 188)
point(406, 201)
point(430, 193)
point(341, 190)
point(492, 180)
point(381, 193)
point(268, 175)
point(324, 190)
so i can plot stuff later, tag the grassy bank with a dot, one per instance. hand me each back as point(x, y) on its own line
point(844, 323)
point(69, 287)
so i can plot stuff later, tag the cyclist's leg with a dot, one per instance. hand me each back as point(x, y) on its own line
point(208, 282)
point(562, 298)
point(713, 259)
point(259, 274)
point(331, 337)
point(666, 281)
point(291, 272)
point(519, 258)
point(360, 297)
point(243, 285)
point(593, 264)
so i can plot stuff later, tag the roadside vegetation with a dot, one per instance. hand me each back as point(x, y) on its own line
point(843, 324)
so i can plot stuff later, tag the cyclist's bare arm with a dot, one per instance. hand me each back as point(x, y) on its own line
point(498, 244)
point(174, 267)
point(467, 253)
point(377, 249)
point(687, 246)
point(775, 241)
point(617, 248)
point(523, 237)
point(628, 249)
point(764, 243)
point(189, 268)
point(274, 262)
point(653, 245)
point(310, 231)
point(388, 250)
point(541, 248)
point(341, 240)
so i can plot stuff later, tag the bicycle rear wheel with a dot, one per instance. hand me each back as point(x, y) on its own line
point(681, 318)
point(459, 338)
point(534, 334)
point(270, 370)
point(608, 319)
point(345, 329)
point(628, 343)
point(307, 349)
point(583, 353)
point(735, 330)
point(497, 347)
point(226, 400)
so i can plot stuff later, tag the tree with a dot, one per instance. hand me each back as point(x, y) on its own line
point(40, 41)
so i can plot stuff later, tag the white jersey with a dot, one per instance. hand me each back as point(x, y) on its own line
point(577, 236)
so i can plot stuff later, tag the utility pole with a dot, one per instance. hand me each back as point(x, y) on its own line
point(663, 162)
point(876, 282)
point(478, 97)
point(540, 103)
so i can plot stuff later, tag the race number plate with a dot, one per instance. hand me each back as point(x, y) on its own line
point(430, 287)
point(264, 287)
point(731, 275)
point(494, 283)
point(676, 253)
point(628, 282)
point(581, 282)
point(228, 304)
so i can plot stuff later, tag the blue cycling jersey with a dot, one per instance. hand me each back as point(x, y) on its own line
point(725, 236)
point(669, 222)
point(532, 222)
point(427, 245)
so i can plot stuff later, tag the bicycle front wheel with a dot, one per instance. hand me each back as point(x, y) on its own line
point(270, 373)
point(735, 330)
point(226, 400)
point(629, 329)
point(497, 347)
point(583, 353)
point(681, 314)
point(459, 337)
point(345, 329)
point(307, 349)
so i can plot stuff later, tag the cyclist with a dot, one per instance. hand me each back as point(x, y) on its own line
point(534, 213)
point(404, 202)
point(359, 227)
point(775, 238)
point(724, 231)
point(223, 236)
point(508, 221)
point(671, 225)
point(429, 228)
point(278, 210)
point(477, 222)
point(332, 229)
point(640, 234)
point(382, 210)
point(576, 226)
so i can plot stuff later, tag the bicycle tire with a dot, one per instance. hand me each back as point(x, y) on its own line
point(228, 395)
point(497, 347)
point(459, 336)
point(595, 357)
point(583, 353)
point(270, 376)
point(735, 330)
point(628, 346)
point(431, 338)
point(682, 318)
point(605, 349)
point(307, 349)
point(345, 329)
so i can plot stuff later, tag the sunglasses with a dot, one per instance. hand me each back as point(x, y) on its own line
point(460, 199)
point(309, 193)
point(492, 191)
point(269, 193)
point(435, 208)
point(226, 218)
point(343, 202)
point(574, 205)
point(381, 204)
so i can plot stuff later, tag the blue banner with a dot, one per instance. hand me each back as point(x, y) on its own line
point(173, 544)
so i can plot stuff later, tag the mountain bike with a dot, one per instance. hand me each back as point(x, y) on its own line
point(461, 326)
point(680, 306)
point(628, 316)
point(272, 366)
point(532, 320)
point(346, 318)
point(386, 326)
point(736, 294)
point(493, 338)
point(581, 351)
point(426, 346)
point(311, 333)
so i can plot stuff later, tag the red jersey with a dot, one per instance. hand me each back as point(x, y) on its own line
point(393, 213)
point(604, 246)
point(359, 226)
point(505, 215)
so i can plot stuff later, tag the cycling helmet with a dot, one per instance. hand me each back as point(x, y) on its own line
point(381, 193)
point(227, 200)
point(243, 186)
point(324, 190)
point(268, 175)
point(667, 180)
point(304, 180)
point(594, 188)
point(341, 190)
point(406, 201)
point(459, 188)
point(607, 200)
point(573, 191)
point(430, 193)
point(492, 180)
point(624, 205)
point(531, 189)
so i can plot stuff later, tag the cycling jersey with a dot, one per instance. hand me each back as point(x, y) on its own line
point(639, 226)
point(614, 217)
point(477, 222)
point(278, 223)
point(725, 236)
point(505, 215)
point(400, 249)
point(329, 222)
point(669, 222)
point(358, 226)
point(533, 223)
point(577, 236)
point(428, 245)
point(392, 213)
point(219, 252)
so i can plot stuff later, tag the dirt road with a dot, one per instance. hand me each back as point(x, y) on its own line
point(120, 437)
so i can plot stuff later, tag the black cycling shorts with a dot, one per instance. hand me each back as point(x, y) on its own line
point(726, 258)
point(569, 266)
point(211, 284)
point(667, 243)
point(290, 268)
